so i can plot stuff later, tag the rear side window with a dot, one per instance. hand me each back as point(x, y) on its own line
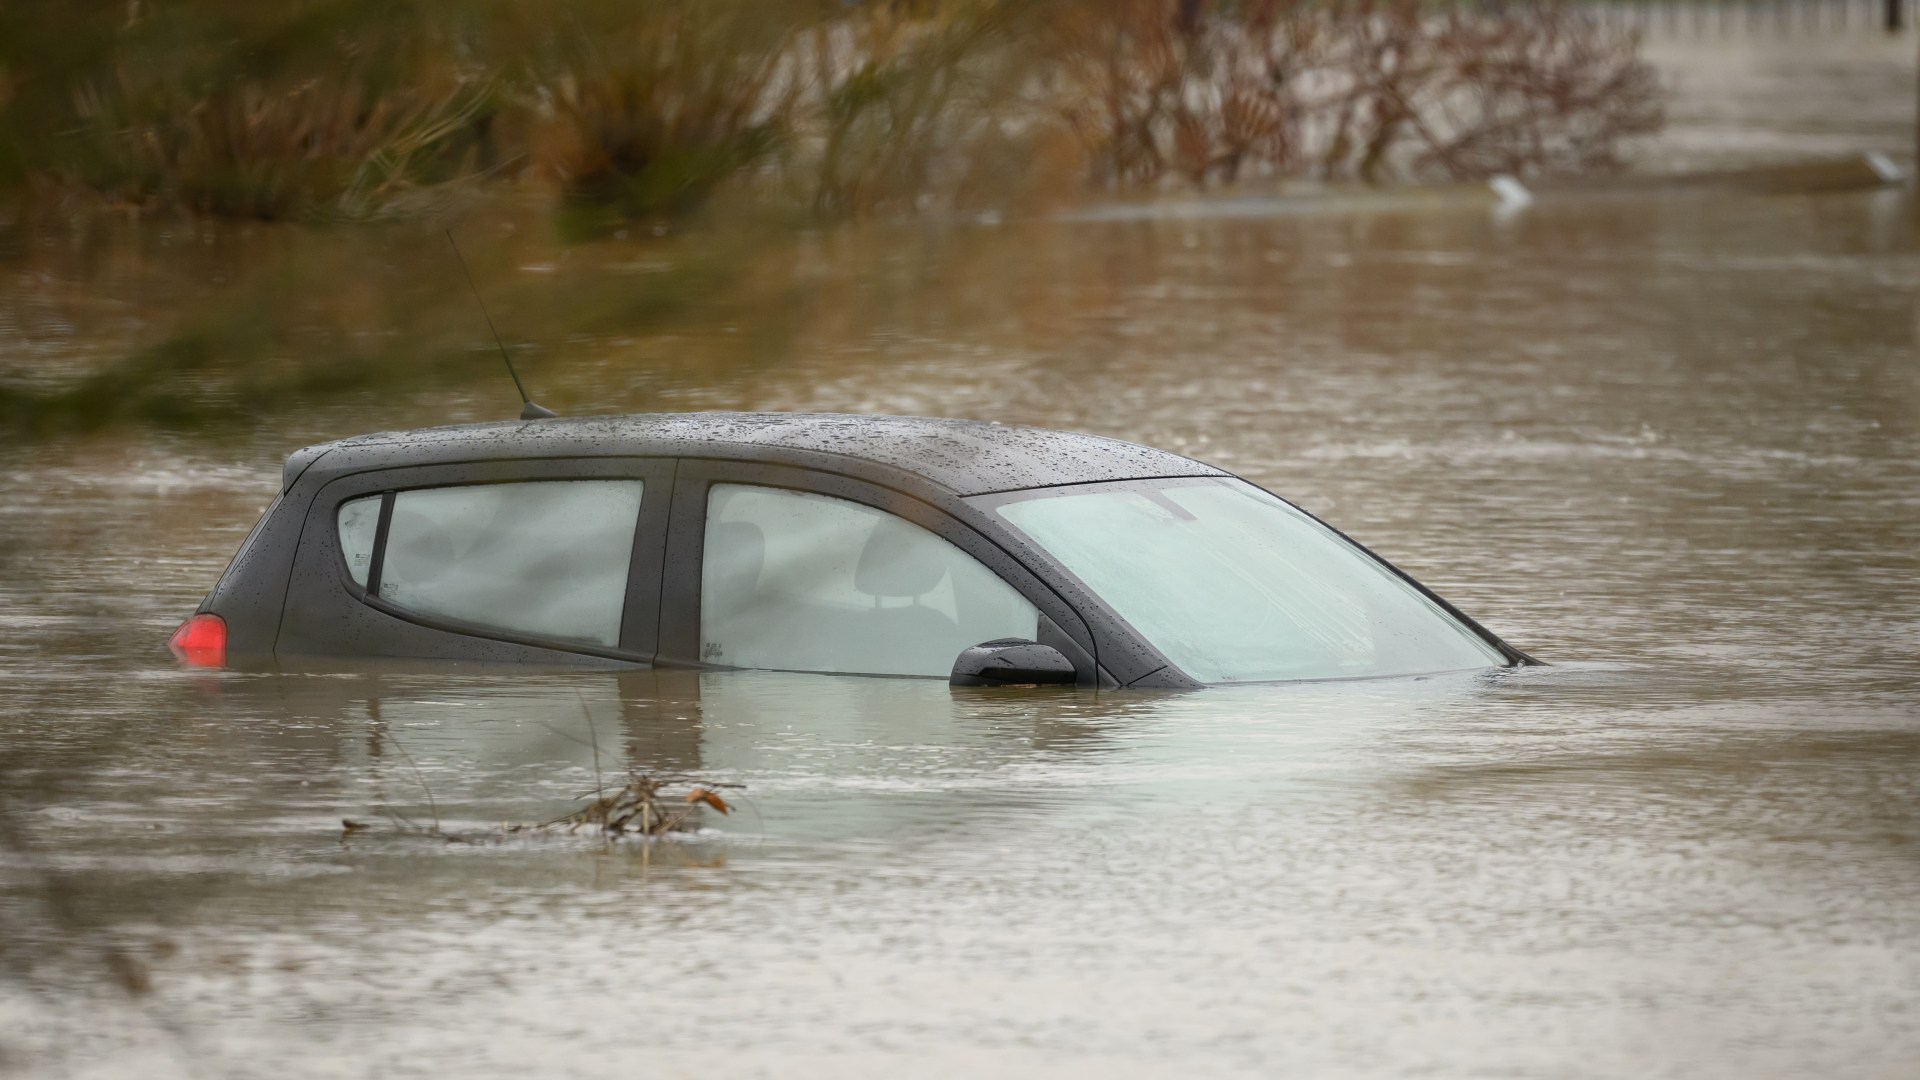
point(359, 524)
point(542, 558)
point(803, 582)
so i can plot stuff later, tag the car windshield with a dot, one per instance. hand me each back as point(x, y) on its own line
point(1234, 585)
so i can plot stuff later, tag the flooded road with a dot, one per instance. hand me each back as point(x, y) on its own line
point(1670, 445)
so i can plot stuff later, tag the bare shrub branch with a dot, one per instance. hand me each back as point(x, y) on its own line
point(1369, 91)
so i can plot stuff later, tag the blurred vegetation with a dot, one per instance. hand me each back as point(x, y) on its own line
point(744, 122)
point(627, 110)
point(240, 110)
point(646, 117)
point(622, 110)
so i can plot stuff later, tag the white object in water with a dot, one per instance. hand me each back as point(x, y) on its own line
point(1884, 167)
point(1510, 191)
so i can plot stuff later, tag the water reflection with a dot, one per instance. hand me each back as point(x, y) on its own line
point(523, 747)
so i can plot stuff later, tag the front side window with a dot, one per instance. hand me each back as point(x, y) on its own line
point(1234, 585)
point(803, 582)
point(543, 558)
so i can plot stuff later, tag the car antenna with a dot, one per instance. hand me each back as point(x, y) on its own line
point(528, 410)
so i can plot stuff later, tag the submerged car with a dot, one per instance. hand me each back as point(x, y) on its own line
point(875, 545)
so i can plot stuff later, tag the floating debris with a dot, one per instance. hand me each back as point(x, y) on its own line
point(641, 808)
point(638, 809)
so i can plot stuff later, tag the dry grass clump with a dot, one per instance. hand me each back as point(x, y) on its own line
point(832, 109)
point(648, 116)
point(911, 109)
point(232, 108)
point(255, 151)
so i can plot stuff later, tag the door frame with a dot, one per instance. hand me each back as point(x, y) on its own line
point(327, 613)
point(1061, 625)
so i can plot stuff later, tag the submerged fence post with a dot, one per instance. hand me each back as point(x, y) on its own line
point(1896, 15)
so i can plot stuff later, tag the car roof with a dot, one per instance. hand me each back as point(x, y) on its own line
point(966, 457)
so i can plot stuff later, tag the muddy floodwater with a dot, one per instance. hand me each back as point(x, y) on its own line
point(1668, 443)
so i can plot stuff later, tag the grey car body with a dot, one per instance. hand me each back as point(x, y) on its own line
point(288, 595)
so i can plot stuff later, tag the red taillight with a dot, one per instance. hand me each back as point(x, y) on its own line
point(201, 641)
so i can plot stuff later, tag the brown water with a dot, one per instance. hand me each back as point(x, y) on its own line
point(1670, 444)
point(1747, 94)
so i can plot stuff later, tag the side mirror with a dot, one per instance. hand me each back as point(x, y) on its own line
point(1012, 662)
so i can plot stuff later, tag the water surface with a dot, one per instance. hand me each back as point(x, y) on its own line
point(1669, 444)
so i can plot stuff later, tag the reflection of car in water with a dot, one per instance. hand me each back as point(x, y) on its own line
point(858, 544)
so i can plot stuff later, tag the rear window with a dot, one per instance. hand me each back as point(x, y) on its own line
point(544, 558)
